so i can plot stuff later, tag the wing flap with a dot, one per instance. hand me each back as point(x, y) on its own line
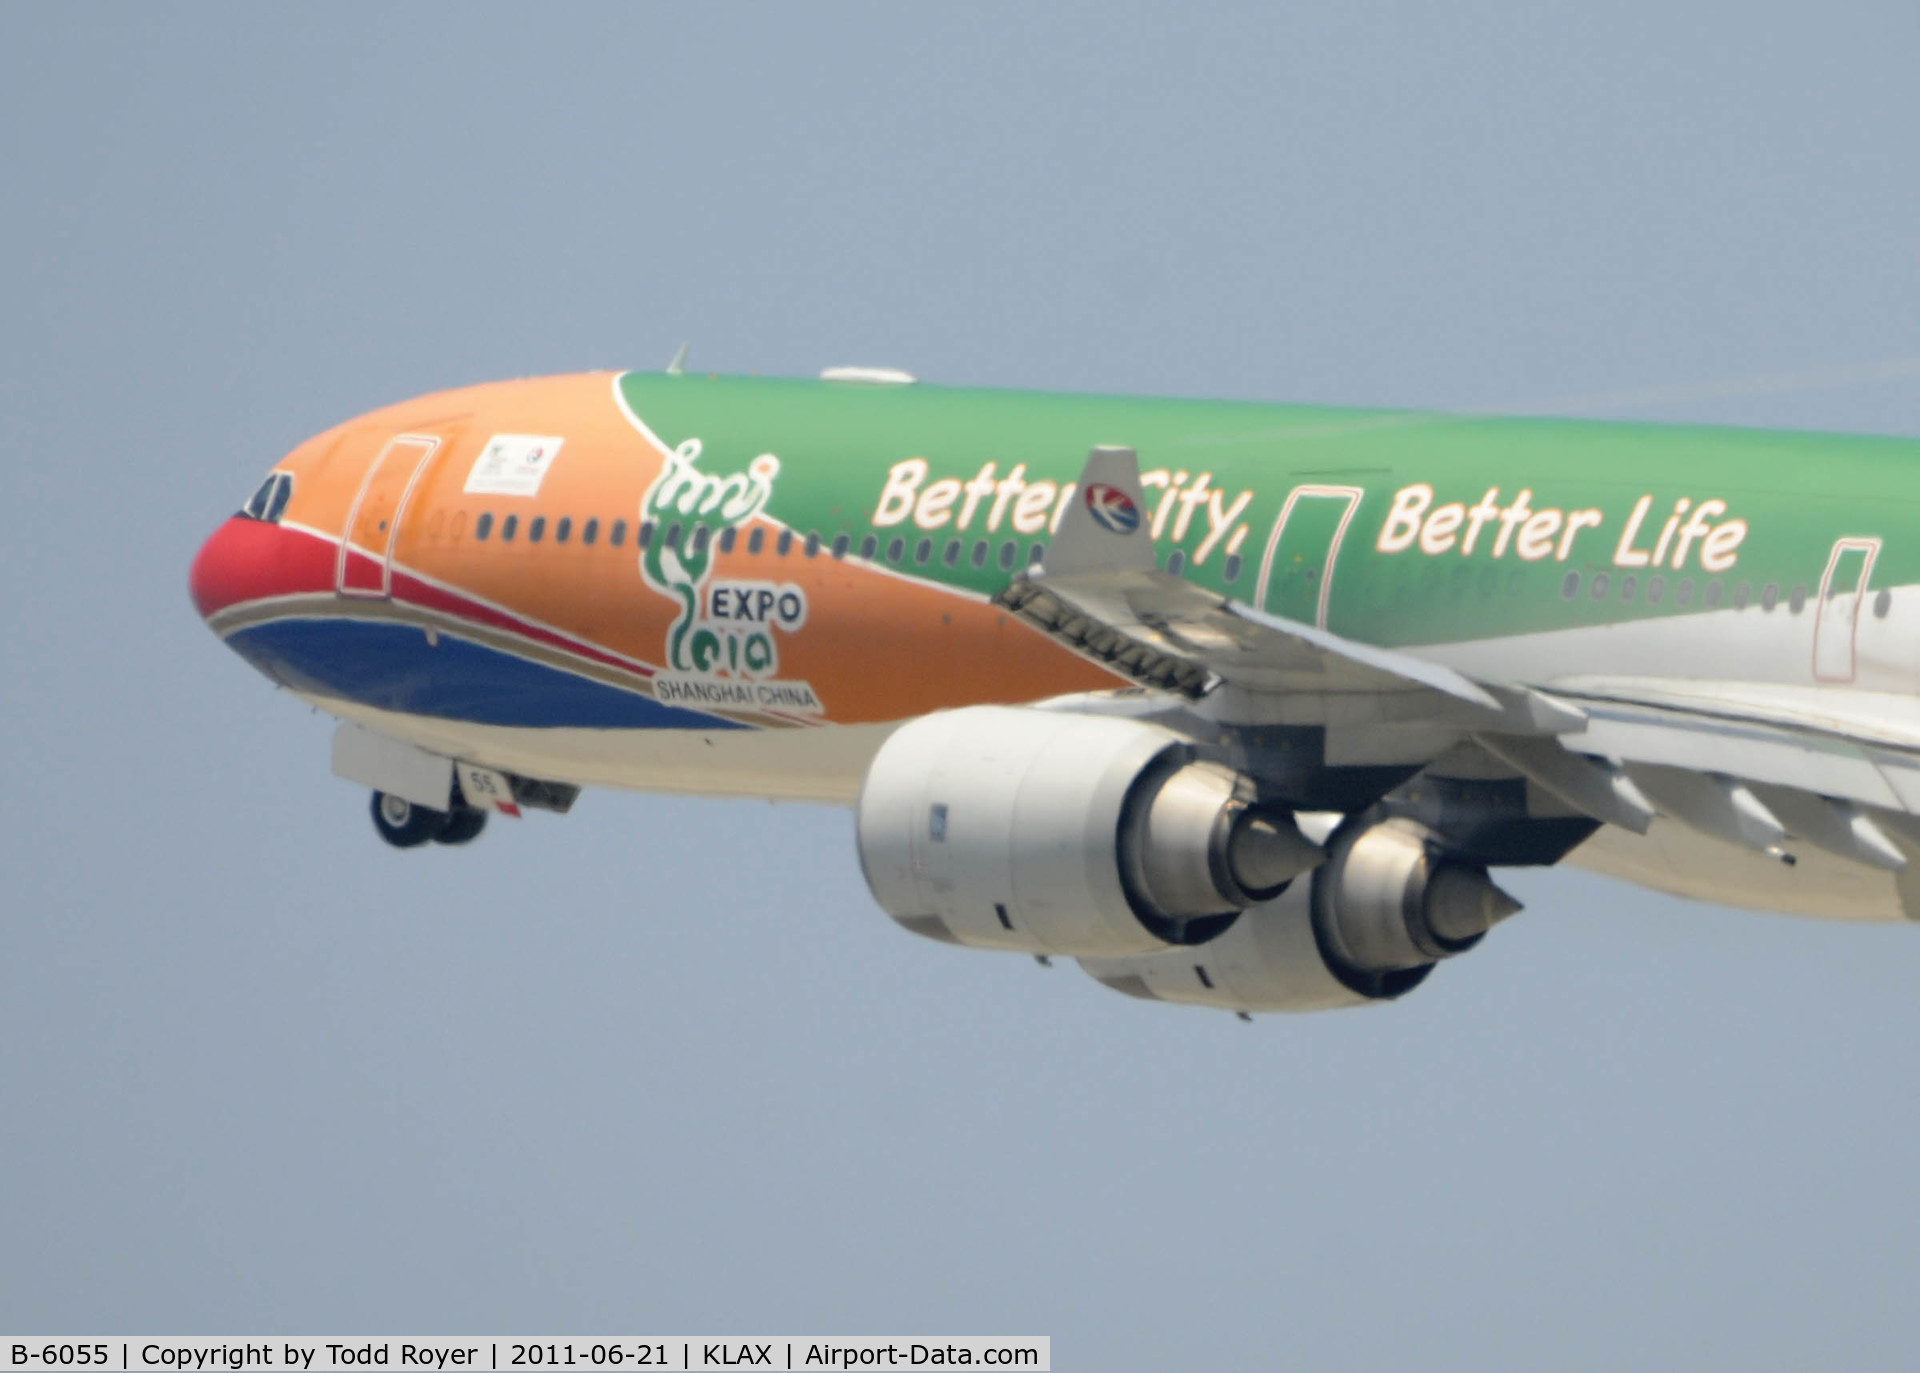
point(1748, 751)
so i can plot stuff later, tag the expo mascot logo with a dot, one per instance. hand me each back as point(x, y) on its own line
point(728, 627)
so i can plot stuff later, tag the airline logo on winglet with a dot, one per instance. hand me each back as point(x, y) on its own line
point(1112, 509)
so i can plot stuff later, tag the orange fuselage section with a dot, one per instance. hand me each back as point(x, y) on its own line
point(491, 555)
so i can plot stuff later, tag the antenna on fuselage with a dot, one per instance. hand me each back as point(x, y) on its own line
point(678, 366)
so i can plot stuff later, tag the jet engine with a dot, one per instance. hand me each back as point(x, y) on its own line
point(1392, 901)
point(1386, 906)
point(1050, 832)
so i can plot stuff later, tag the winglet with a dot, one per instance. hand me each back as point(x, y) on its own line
point(1106, 527)
point(678, 366)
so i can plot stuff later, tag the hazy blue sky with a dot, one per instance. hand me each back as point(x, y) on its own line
point(663, 1065)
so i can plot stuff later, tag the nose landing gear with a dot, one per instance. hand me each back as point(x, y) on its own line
point(407, 826)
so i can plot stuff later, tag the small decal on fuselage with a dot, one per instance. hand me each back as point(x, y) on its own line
point(513, 465)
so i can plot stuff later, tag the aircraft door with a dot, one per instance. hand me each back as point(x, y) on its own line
point(1842, 589)
point(365, 563)
point(1296, 572)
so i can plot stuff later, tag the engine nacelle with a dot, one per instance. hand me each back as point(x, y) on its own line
point(1386, 906)
point(1049, 832)
point(1389, 901)
point(1269, 961)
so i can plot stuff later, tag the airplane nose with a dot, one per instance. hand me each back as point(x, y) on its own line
point(217, 569)
point(244, 560)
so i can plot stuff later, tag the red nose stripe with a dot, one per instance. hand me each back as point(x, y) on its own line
point(249, 560)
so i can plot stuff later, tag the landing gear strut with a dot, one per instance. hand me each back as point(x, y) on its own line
point(463, 826)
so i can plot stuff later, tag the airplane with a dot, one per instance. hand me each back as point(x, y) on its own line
point(1239, 705)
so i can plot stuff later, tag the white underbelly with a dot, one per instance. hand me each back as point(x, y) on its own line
point(818, 763)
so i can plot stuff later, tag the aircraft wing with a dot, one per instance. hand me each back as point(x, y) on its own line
point(1758, 767)
point(1792, 748)
point(1826, 781)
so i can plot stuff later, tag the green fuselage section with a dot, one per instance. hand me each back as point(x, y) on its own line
point(1399, 528)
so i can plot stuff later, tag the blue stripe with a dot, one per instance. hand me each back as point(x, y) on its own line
point(392, 667)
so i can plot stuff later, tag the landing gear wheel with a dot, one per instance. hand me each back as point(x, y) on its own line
point(403, 824)
point(463, 826)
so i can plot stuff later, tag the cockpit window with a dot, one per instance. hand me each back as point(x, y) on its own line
point(269, 503)
point(256, 508)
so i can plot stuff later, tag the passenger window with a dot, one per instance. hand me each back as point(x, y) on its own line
point(1797, 599)
point(813, 545)
point(1769, 596)
point(1742, 595)
point(1715, 592)
point(1008, 552)
point(840, 545)
point(645, 537)
point(1036, 555)
point(618, 535)
point(980, 553)
point(1177, 561)
point(589, 532)
point(1656, 589)
point(1882, 604)
point(1570, 587)
point(896, 550)
point(563, 530)
point(1683, 594)
point(727, 538)
point(922, 551)
point(673, 535)
point(1599, 586)
point(785, 545)
point(1627, 587)
point(700, 536)
point(953, 552)
point(1233, 567)
point(483, 527)
point(508, 528)
point(537, 529)
point(869, 546)
point(756, 541)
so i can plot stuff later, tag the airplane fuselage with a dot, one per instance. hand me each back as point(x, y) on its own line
point(740, 586)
